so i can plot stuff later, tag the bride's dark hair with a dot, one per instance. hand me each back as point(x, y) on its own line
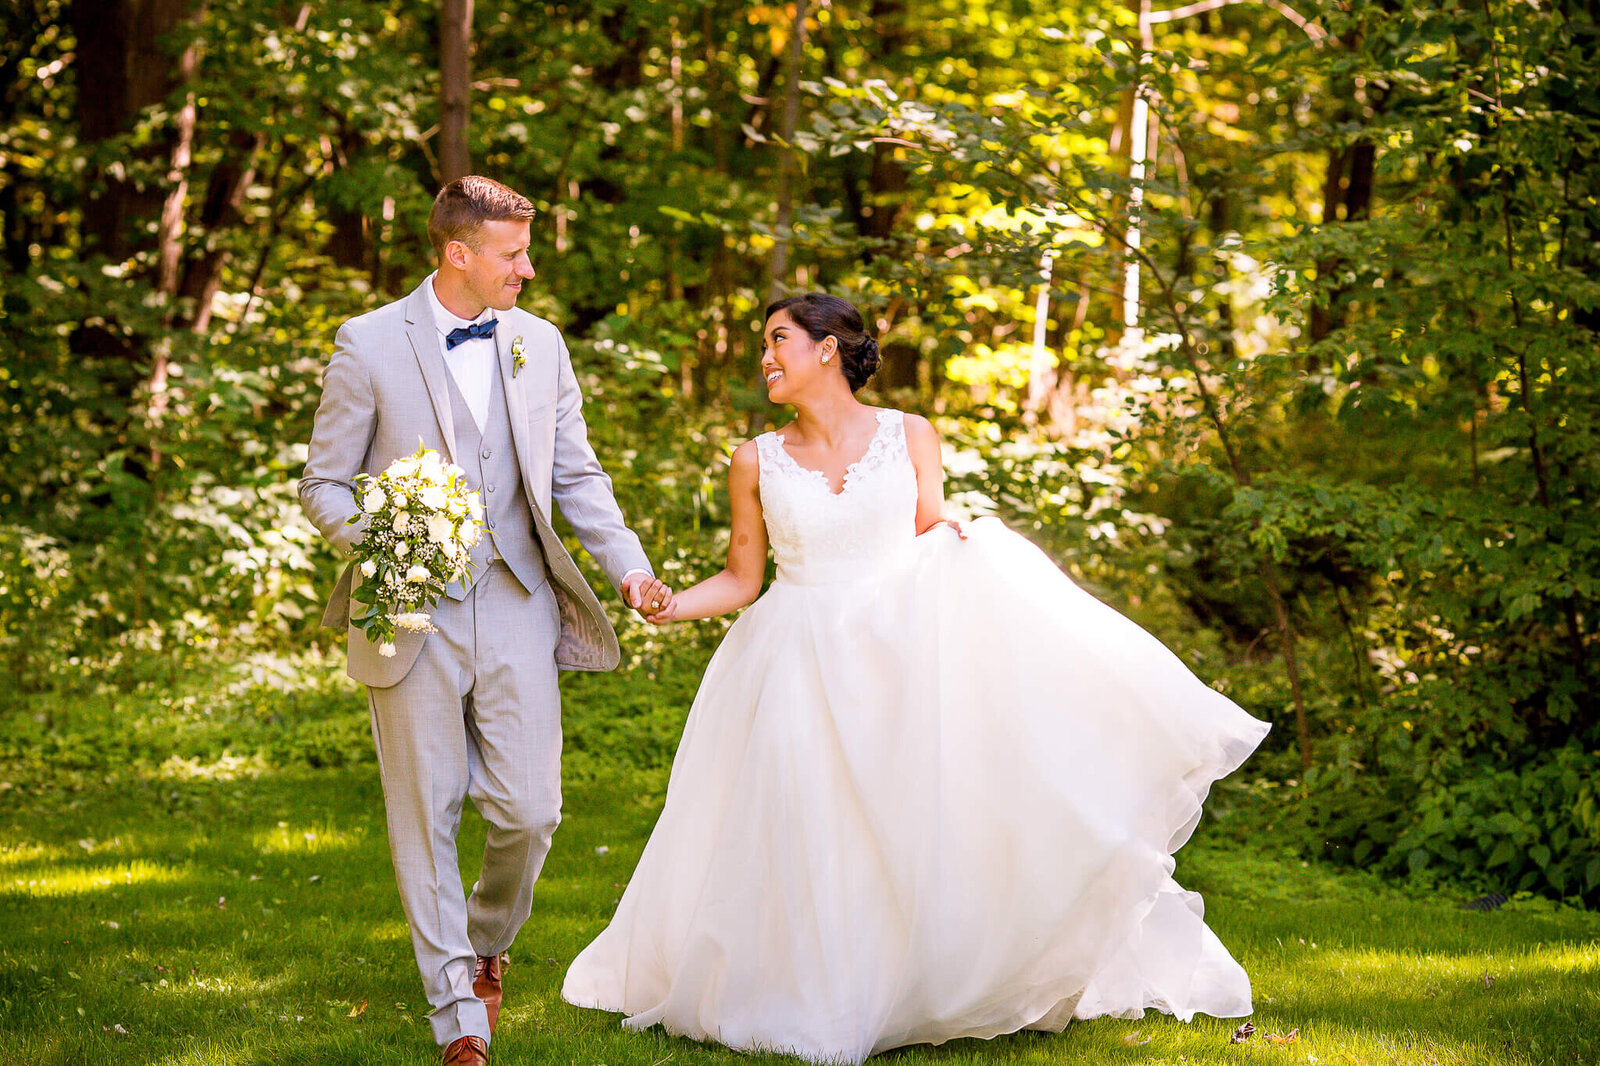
point(822, 315)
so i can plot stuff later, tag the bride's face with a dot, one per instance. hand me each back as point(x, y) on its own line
point(791, 361)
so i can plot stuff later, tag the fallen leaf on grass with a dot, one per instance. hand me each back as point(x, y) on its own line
point(1132, 1039)
point(1243, 1033)
point(1291, 1037)
point(117, 1028)
point(361, 1008)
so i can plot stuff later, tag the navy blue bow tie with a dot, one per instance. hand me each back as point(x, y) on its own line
point(468, 333)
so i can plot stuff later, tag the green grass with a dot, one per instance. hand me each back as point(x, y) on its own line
point(228, 908)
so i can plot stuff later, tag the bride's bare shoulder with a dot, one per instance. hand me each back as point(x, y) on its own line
point(918, 428)
point(745, 461)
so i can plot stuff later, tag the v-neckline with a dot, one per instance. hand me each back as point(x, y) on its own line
point(844, 479)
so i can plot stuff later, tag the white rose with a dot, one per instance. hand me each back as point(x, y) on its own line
point(430, 468)
point(374, 500)
point(433, 498)
point(417, 574)
point(400, 499)
point(401, 519)
point(475, 506)
point(402, 550)
point(368, 568)
point(440, 529)
point(413, 620)
point(403, 467)
point(386, 649)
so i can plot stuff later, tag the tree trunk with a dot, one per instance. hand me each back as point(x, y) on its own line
point(455, 89)
point(348, 243)
point(1346, 197)
point(124, 68)
point(778, 269)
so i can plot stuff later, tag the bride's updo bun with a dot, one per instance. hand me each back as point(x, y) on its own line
point(822, 315)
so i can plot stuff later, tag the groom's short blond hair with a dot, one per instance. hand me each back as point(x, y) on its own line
point(463, 206)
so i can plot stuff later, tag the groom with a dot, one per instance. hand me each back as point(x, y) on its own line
point(472, 708)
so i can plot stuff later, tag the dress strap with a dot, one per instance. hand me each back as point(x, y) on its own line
point(888, 443)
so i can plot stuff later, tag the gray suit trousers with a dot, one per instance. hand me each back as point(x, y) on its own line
point(477, 716)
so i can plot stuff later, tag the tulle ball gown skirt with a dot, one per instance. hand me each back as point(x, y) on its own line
point(936, 800)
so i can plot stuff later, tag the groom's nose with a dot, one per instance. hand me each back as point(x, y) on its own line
point(524, 267)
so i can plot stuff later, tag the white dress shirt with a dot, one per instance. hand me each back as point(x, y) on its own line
point(471, 362)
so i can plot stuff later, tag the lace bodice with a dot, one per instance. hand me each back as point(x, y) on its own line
point(819, 536)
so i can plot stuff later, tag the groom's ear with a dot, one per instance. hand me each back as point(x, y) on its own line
point(455, 253)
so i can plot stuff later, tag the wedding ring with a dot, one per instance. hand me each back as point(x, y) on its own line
point(656, 604)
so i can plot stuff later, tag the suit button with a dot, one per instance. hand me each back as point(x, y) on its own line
point(488, 488)
point(487, 454)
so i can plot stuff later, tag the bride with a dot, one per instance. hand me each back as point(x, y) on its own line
point(929, 788)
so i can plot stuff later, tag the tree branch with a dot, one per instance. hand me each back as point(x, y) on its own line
point(1310, 28)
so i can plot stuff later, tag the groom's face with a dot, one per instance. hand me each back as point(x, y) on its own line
point(496, 270)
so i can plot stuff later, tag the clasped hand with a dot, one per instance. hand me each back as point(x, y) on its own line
point(651, 597)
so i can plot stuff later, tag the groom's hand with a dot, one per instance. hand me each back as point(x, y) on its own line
point(646, 594)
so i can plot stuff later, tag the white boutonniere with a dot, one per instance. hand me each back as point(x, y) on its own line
point(517, 361)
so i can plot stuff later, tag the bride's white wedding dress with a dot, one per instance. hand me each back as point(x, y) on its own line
point(929, 789)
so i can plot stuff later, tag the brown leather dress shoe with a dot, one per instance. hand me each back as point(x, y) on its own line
point(467, 1051)
point(486, 985)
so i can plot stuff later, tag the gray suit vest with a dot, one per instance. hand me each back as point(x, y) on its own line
point(490, 460)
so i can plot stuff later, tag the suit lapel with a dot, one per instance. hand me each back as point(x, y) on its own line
point(505, 336)
point(424, 337)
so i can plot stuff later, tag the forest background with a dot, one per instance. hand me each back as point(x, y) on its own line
point(1275, 323)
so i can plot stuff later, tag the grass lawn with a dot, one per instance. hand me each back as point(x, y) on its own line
point(164, 899)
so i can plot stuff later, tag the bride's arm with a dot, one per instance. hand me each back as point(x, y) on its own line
point(922, 442)
point(739, 582)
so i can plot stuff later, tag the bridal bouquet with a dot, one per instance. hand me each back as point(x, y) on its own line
point(423, 522)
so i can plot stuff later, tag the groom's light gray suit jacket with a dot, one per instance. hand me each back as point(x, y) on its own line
point(386, 388)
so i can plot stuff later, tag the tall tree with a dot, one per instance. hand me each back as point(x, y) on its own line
point(794, 55)
point(455, 89)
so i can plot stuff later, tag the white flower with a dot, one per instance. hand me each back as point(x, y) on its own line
point(401, 519)
point(386, 649)
point(403, 467)
point(440, 529)
point(402, 550)
point(475, 506)
point(433, 498)
point(431, 469)
point(374, 500)
point(368, 567)
point(417, 574)
point(413, 620)
point(400, 498)
point(454, 471)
